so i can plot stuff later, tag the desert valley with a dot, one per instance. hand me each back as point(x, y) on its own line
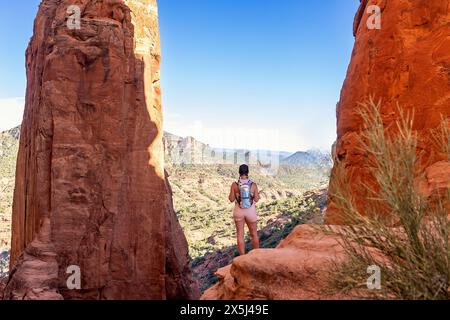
point(294, 194)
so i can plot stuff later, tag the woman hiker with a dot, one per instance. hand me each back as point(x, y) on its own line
point(245, 194)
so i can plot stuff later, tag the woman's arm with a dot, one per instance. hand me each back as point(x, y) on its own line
point(232, 196)
point(256, 196)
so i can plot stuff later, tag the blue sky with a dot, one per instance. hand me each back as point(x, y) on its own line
point(260, 69)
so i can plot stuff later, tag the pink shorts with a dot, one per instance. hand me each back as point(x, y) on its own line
point(249, 215)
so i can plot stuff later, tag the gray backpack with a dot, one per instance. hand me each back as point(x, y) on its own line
point(245, 200)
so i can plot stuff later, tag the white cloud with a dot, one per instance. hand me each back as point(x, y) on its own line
point(11, 112)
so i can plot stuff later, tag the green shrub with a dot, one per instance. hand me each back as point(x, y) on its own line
point(401, 231)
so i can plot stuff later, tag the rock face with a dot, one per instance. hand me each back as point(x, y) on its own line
point(91, 189)
point(407, 62)
point(297, 269)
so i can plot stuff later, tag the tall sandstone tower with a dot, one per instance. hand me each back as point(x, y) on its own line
point(407, 62)
point(91, 192)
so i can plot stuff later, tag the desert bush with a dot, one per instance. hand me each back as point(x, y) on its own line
point(399, 229)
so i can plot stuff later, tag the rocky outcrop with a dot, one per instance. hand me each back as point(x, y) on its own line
point(91, 189)
point(298, 269)
point(406, 62)
point(188, 150)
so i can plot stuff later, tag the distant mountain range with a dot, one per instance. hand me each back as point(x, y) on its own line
point(14, 132)
point(188, 150)
point(9, 145)
point(304, 158)
point(9, 140)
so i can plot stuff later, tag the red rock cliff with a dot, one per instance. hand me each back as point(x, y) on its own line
point(90, 186)
point(407, 62)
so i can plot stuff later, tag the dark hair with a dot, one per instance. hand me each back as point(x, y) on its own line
point(243, 170)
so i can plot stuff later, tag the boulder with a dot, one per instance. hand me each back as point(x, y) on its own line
point(298, 269)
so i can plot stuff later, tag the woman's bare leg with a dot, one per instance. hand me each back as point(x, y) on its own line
point(240, 237)
point(253, 227)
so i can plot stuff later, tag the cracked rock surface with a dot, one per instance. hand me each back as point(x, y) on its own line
point(91, 190)
point(406, 62)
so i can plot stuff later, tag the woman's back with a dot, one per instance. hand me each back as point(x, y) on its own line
point(245, 194)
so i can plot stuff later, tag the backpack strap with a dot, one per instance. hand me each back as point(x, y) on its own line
point(250, 182)
point(238, 198)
